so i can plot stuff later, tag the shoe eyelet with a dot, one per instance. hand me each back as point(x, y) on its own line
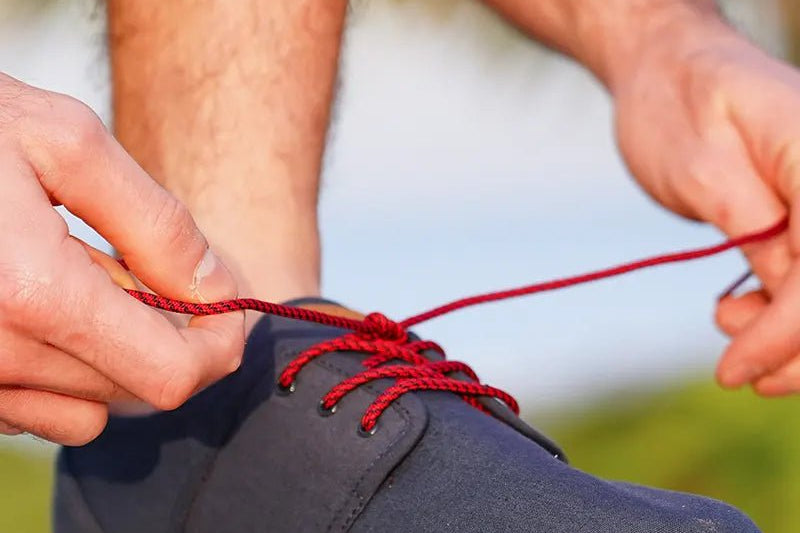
point(367, 433)
point(285, 390)
point(326, 411)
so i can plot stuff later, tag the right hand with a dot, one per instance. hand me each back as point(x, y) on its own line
point(71, 340)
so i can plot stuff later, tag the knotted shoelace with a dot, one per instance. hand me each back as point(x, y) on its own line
point(386, 341)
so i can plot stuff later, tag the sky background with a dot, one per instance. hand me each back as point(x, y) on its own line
point(465, 159)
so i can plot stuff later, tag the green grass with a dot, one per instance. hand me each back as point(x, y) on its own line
point(25, 484)
point(692, 437)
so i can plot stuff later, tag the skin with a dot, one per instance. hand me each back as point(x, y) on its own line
point(228, 108)
point(221, 113)
point(64, 355)
point(723, 151)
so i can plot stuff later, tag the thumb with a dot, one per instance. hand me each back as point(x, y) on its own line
point(153, 231)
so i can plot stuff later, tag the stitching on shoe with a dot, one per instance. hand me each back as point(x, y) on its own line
point(405, 415)
point(355, 492)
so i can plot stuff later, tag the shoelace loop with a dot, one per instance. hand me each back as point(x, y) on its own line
point(412, 372)
point(385, 340)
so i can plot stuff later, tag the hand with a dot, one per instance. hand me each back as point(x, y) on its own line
point(70, 339)
point(709, 126)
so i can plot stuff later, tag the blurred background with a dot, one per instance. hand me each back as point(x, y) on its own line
point(492, 161)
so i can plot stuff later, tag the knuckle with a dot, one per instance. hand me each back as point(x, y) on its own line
point(703, 189)
point(79, 127)
point(174, 223)
point(73, 133)
point(704, 66)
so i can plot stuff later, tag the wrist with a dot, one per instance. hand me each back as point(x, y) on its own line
point(616, 42)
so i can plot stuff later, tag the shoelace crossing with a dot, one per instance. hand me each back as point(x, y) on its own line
point(386, 341)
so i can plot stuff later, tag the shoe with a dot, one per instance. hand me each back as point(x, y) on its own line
point(322, 430)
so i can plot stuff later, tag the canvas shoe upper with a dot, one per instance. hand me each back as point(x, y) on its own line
point(250, 455)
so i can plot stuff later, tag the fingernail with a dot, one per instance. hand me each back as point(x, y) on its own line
point(212, 281)
point(737, 375)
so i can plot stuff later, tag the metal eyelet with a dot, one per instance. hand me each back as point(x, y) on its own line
point(367, 433)
point(285, 391)
point(326, 411)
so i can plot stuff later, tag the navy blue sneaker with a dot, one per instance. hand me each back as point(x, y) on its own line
point(360, 434)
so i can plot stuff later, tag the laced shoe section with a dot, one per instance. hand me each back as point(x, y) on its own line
point(387, 341)
point(392, 355)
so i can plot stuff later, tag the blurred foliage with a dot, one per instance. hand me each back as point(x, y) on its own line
point(791, 10)
point(692, 437)
point(696, 438)
point(25, 486)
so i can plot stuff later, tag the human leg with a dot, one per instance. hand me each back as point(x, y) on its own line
point(227, 105)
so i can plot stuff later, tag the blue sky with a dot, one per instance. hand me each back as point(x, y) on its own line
point(465, 160)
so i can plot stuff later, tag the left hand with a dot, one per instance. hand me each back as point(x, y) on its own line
point(710, 126)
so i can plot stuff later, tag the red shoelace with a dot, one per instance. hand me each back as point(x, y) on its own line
point(386, 341)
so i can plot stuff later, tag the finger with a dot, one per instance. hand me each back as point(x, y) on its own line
point(30, 364)
point(782, 382)
point(734, 313)
point(57, 418)
point(115, 270)
point(132, 344)
point(729, 193)
point(767, 343)
point(70, 302)
point(83, 167)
